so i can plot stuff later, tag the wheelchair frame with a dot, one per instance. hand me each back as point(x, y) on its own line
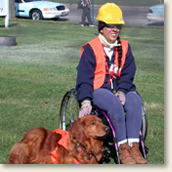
point(69, 111)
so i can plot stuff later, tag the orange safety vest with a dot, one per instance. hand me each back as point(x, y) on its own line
point(63, 142)
point(100, 70)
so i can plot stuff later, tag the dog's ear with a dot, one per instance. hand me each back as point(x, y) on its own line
point(77, 131)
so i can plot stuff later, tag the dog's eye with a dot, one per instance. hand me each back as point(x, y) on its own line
point(93, 123)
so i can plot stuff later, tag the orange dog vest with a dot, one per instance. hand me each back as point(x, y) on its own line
point(63, 142)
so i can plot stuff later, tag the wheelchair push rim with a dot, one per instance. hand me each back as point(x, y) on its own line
point(69, 109)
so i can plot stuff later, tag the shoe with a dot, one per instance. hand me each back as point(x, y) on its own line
point(91, 25)
point(82, 25)
point(136, 154)
point(124, 155)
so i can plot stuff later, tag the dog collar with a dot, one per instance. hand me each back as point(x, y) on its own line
point(82, 150)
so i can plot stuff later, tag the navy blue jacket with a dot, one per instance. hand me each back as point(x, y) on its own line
point(85, 75)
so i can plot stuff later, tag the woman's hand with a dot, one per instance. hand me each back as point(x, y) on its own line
point(85, 108)
point(121, 97)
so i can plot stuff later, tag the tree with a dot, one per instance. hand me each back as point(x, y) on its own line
point(12, 9)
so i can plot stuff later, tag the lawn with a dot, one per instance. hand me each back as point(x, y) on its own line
point(36, 73)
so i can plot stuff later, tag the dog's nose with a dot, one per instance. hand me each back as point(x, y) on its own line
point(107, 130)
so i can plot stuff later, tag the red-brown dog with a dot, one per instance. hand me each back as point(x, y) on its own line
point(82, 144)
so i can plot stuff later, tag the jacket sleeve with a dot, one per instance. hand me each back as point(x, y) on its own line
point(85, 75)
point(125, 83)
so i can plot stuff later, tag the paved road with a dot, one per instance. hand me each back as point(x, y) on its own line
point(131, 15)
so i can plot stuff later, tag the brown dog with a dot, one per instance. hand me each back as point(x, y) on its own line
point(83, 144)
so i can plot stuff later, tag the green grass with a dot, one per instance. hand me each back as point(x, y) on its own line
point(35, 75)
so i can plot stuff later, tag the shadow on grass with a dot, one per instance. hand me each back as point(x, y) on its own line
point(156, 24)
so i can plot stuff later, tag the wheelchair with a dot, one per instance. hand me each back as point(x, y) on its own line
point(69, 111)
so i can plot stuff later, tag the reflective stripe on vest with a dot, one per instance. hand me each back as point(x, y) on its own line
point(100, 71)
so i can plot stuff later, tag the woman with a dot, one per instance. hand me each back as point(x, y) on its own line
point(105, 78)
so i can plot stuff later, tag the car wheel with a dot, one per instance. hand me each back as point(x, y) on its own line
point(36, 15)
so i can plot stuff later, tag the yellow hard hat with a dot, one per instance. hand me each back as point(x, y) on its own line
point(110, 13)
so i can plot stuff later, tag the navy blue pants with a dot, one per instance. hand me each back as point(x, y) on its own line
point(107, 101)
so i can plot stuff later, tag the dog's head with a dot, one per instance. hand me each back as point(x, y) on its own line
point(89, 126)
point(93, 126)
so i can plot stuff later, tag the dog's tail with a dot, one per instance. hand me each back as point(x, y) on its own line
point(19, 153)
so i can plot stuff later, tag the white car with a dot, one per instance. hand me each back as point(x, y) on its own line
point(40, 9)
point(156, 13)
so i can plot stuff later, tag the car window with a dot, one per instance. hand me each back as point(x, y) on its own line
point(18, 1)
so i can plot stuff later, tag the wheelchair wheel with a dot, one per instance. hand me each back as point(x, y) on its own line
point(69, 109)
point(144, 122)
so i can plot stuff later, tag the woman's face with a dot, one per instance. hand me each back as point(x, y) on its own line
point(111, 33)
